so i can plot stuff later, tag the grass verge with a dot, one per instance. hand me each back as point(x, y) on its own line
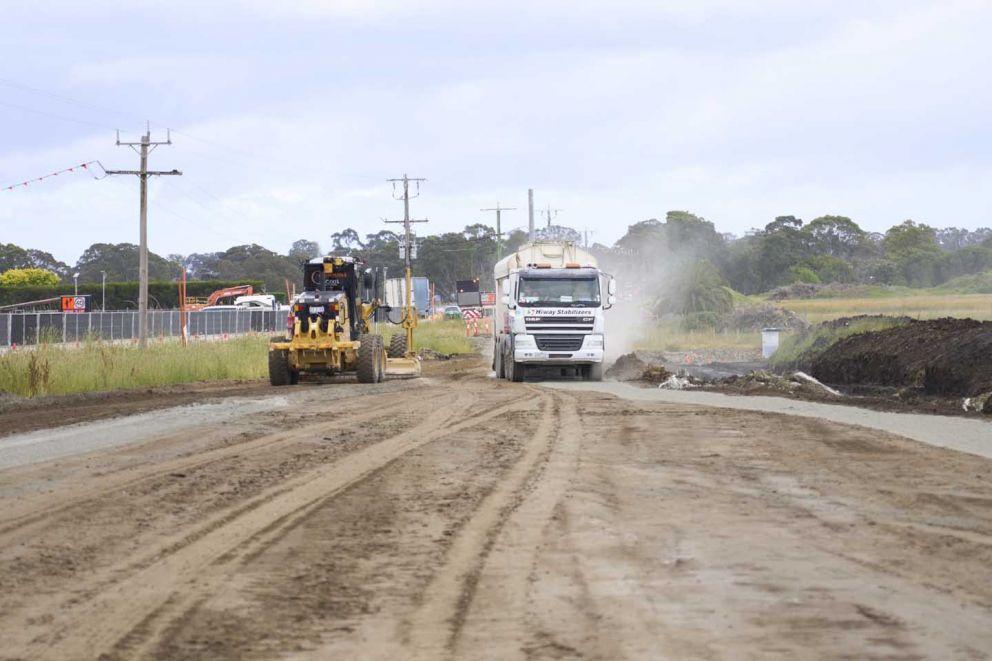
point(51, 369)
point(445, 336)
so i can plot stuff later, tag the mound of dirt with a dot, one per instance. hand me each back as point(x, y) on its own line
point(947, 357)
point(627, 367)
point(655, 374)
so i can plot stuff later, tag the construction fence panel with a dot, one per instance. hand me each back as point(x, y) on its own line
point(20, 328)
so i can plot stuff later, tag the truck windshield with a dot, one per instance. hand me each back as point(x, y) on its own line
point(573, 292)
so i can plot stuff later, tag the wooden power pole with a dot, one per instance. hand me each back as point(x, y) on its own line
point(144, 147)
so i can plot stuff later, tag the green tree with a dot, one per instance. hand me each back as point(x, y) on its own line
point(120, 261)
point(914, 249)
point(835, 236)
point(13, 257)
point(782, 245)
point(345, 241)
point(255, 262)
point(304, 250)
point(29, 277)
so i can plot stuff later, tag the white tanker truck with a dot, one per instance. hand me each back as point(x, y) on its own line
point(550, 298)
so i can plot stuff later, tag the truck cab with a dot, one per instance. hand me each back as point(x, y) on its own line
point(549, 311)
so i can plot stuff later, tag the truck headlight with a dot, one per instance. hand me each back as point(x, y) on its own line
point(524, 341)
point(594, 341)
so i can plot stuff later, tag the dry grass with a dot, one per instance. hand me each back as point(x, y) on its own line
point(924, 306)
point(668, 337)
point(445, 336)
point(52, 369)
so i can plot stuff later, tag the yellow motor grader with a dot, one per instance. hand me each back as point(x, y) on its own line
point(331, 328)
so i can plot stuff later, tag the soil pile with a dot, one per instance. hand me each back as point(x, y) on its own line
point(949, 357)
point(628, 367)
point(655, 374)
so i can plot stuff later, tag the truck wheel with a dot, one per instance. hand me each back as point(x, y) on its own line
point(371, 359)
point(593, 372)
point(397, 345)
point(515, 371)
point(279, 372)
point(498, 364)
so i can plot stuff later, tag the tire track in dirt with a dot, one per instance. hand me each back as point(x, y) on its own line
point(132, 597)
point(497, 622)
point(480, 585)
point(21, 518)
point(145, 638)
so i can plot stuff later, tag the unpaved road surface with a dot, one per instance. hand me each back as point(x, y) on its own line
point(458, 517)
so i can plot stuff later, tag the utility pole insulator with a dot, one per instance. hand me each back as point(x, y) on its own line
point(499, 232)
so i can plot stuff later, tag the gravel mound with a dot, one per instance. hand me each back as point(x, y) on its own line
point(627, 367)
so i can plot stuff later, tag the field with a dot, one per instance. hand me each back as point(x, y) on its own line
point(669, 337)
point(892, 302)
point(927, 305)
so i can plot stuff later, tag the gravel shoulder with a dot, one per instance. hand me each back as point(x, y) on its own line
point(972, 435)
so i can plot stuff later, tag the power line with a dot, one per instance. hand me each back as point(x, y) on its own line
point(61, 97)
point(53, 115)
point(74, 168)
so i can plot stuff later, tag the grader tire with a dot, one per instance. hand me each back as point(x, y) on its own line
point(279, 372)
point(397, 345)
point(371, 359)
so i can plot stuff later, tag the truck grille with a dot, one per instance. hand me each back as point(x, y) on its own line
point(559, 342)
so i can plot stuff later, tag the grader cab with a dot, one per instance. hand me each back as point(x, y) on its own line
point(331, 327)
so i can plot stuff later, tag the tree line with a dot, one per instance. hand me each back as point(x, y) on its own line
point(654, 256)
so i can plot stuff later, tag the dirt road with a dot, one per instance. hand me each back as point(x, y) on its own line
point(458, 517)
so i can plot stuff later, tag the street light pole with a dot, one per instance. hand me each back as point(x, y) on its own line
point(103, 292)
point(75, 284)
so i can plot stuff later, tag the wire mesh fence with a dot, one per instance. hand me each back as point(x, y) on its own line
point(25, 328)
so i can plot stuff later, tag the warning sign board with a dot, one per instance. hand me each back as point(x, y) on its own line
point(76, 303)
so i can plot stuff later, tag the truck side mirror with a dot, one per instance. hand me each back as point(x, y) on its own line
point(508, 302)
point(611, 288)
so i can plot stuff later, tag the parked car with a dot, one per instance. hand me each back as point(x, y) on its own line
point(452, 312)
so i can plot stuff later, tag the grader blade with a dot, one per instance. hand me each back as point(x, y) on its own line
point(403, 367)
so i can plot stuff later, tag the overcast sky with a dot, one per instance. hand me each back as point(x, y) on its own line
point(289, 115)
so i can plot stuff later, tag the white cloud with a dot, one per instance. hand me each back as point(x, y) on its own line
point(879, 113)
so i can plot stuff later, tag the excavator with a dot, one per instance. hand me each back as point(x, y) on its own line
point(198, 303)
point(332, 325)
